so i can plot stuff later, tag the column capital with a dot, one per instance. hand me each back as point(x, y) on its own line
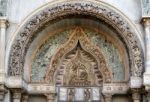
point(16, 93)
point(107, 97)
point(3, 22)
point(50, 96)
point(136, 82)
point(136, 94)
point(25, 97)
point(146, 21)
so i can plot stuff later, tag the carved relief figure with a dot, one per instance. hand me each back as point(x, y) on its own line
point(87, 95)
point(71, 94)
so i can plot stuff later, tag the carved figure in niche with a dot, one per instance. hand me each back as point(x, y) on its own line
point(71, 94)
point(87, 95)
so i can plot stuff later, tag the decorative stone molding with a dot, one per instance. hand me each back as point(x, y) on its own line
point(136, 82)
point(40, 88)
point(98, 10)
point(115, 88)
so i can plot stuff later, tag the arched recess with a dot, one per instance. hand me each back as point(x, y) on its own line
point(78, 38)
point(58, 10)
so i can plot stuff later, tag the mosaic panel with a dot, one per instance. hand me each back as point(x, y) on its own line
point(44, 54)
point(110, 53)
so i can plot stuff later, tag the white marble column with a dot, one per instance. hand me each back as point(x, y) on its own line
point(51, 97)
point(146, 22)
point(16, 95)
point(3, 26)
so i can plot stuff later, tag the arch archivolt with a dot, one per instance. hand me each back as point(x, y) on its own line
point(78, 37)
point(51, 14)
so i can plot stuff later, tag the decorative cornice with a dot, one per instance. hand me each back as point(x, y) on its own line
point(25, 35)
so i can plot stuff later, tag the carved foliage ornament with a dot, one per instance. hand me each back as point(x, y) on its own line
point(25, 35)
point(78, 36)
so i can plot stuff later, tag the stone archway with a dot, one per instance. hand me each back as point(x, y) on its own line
point(27, 32)
point(53, 13)
point(78, 38)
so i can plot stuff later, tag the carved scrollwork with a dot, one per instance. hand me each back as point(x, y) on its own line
point(25, 35)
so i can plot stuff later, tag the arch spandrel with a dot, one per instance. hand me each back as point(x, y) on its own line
point(51, 13)
point(78, 35)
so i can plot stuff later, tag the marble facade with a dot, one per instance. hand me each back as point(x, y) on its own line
point(71, 50)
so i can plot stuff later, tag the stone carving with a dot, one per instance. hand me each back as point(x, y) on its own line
point(78, 36)
point(45, 52)
point(71, 94)
point(87, 95)
point(26, 34)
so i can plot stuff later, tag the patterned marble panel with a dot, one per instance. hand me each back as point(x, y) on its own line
point(79, 94)
point(95, 93)
point(63, 94)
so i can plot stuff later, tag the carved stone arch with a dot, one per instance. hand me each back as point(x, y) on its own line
point(50, 13)
point(78, 36)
